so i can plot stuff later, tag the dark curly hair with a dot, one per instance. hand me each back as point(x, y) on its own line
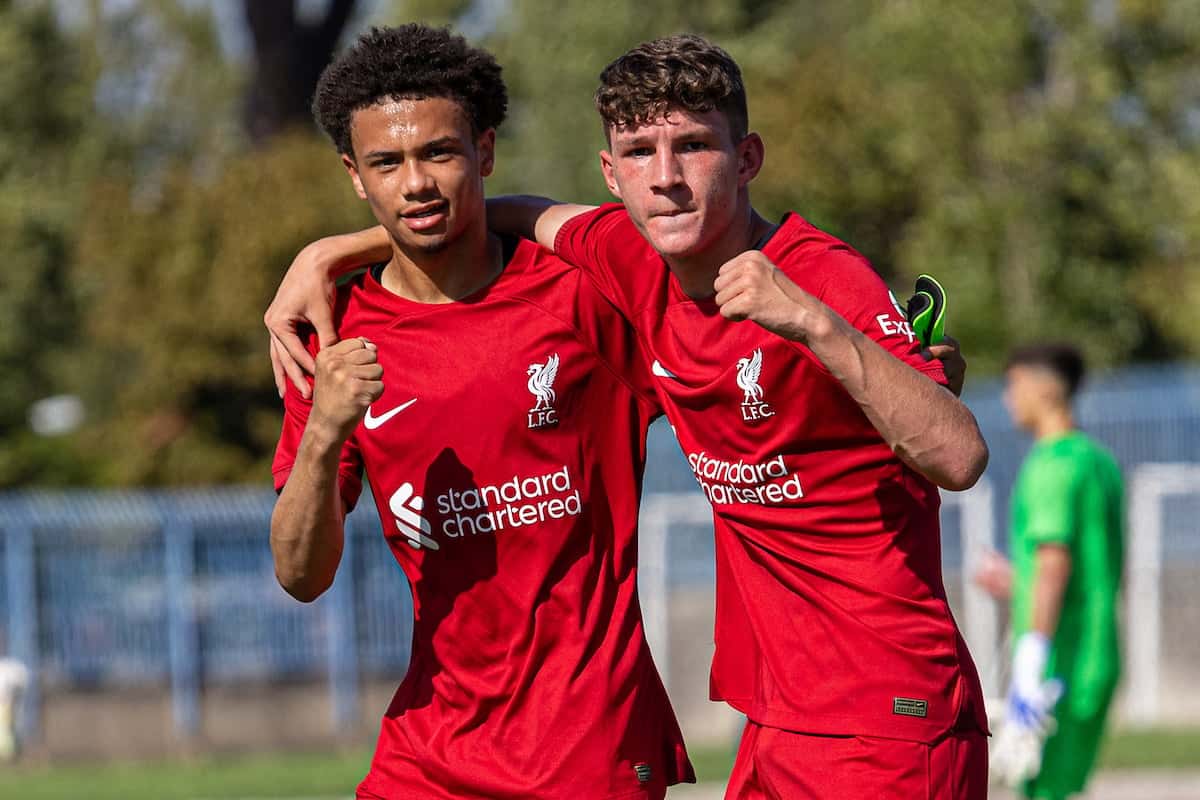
point(409, 62)
point(676, 72)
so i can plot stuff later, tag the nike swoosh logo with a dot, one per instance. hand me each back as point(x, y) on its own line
point(372, 422)
point(662, 372)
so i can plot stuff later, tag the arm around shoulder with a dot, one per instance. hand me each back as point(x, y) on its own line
point(532, 217)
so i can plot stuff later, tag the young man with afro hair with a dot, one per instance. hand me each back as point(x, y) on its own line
point(498, 404)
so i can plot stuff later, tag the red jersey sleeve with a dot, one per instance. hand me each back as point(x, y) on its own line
point(295, 417)
point(603, 326)
point(607, 246)
point(854, 290)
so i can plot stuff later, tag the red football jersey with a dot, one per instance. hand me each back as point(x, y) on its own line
point(831, 614)
point(505, 457)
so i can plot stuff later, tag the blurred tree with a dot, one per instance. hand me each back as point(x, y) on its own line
point(175, 320)
point(46, 155)
point(149, 239)
point(179, 255)
point(1036, 157)
point(289, 54)
point(552, 53)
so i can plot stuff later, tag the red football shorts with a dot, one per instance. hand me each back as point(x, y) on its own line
point(774, 764)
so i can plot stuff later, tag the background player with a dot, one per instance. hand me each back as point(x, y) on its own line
point(813, 433)
point(489, 393)
point(1067, 547)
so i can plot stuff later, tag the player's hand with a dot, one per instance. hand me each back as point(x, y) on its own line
point(1031, 696)
point(348, 379)
point(994, 575)
point(750, 287)
point(1016, 755)
point(304, 297)
point(955, 366)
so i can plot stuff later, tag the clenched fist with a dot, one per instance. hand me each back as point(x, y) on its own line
point(347, 381)
point(750, 287)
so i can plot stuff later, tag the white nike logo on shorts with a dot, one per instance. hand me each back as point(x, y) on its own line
point(661, 371)
point(373, 422)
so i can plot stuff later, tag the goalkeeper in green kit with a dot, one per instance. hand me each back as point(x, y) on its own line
point(1067, 548)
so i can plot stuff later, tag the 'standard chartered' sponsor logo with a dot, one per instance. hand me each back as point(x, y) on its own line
point(728, 482)
point(518, 502)
point(541, 386)
point(749, 370)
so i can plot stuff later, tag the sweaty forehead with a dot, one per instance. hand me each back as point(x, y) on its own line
point(409, 120)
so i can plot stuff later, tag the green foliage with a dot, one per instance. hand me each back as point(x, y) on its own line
point(552, 54)
point(43, 100)
point(149, 239)
point(175, 287)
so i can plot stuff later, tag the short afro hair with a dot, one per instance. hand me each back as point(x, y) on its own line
point(411, 62)
point(1062, 360)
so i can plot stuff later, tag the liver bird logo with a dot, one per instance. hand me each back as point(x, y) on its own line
point(541, 383)
point(748, 370)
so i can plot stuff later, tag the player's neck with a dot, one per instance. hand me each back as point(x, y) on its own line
point(1054, 423)
point(697, 273)
point(466, 265)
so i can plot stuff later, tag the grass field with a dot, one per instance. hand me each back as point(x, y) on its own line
point(329, 775)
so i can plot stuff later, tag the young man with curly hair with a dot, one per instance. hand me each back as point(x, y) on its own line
point(819, 433)
point(499, 407)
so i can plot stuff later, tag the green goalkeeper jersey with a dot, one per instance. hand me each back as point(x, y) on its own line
point(1069, 491)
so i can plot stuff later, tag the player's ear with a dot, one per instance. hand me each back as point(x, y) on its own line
point(606, 166)
point(751, 153)
point(485, 145)
point(352, 168)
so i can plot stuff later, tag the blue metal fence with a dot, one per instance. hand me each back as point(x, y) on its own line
point(177, 588)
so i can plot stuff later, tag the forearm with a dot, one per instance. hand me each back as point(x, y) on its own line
point(1052, 571)
point(531, 217)
point(347, 252)
point(307, 523)
point(924, 424)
